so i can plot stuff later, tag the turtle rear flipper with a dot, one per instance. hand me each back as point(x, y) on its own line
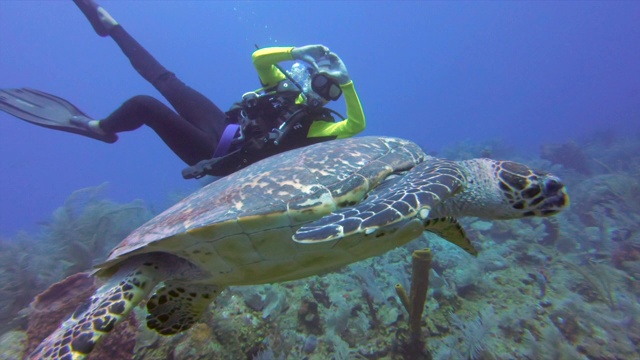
point(413, 194)
point(450, 229)
point(176, 306)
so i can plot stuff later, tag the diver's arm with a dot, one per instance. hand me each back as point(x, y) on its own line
point(264, 60)
point(354, 123)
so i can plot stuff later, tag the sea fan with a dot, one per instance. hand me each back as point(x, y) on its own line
point(474, 333)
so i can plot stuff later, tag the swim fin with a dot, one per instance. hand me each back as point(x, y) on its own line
point(50, 111)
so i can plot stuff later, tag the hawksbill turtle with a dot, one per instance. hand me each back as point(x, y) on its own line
point(294, 215)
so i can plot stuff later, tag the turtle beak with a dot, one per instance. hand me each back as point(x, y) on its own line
point(556, 197)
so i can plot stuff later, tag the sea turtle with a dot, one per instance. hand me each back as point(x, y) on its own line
point(294, 215)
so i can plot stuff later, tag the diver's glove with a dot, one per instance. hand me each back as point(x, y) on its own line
point(335, 68)
point(310, 54)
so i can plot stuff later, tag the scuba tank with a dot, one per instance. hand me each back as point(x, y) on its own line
point(267, 122)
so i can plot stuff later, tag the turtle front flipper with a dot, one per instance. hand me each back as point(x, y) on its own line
point(78, 335)
point(411, 194)
point(450, 229)
point(176, 306)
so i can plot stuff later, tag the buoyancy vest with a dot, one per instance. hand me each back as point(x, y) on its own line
point(270, 123)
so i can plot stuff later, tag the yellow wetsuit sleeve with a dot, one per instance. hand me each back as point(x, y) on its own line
point(352, 125)
point(264, 60)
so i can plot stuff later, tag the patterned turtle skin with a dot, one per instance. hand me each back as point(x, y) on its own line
point(294, 215)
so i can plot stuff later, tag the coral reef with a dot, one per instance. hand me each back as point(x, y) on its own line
point(13, 345)
point(555, 288)
point(79, 234)
point(20, 281)
point(570, 155)
point(84, 228)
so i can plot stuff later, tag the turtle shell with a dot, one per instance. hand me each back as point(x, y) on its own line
point(239, 228)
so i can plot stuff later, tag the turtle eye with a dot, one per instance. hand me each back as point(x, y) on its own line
point(552, 186)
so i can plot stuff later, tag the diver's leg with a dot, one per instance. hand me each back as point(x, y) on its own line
point(99, 18)
point(190, 104)
point(190, 144)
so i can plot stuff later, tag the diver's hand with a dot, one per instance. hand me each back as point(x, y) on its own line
point(310, 54)
point(336, 69)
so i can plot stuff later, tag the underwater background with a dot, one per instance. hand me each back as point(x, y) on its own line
point(555, 85)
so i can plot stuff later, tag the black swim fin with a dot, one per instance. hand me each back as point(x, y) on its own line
point(50, 111)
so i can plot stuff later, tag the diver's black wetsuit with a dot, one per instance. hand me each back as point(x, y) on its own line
point(193, 133)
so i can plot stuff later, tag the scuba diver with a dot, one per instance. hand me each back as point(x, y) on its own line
point(286, 113)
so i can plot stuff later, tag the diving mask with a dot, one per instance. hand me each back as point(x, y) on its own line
point(325, 86)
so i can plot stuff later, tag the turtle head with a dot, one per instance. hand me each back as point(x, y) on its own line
point(505, 190)
point(530, 192)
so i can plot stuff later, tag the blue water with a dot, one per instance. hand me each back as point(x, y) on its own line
point(438, 73)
